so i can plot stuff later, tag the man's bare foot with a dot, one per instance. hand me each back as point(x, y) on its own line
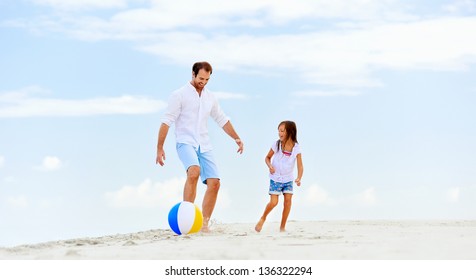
point(205, 227)
point(282, 230)
point(259, 225)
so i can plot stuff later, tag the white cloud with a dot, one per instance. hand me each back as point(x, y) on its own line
point(22, 103)
point(453, 195)
point(321, 93)
point(366, 198)
point(2, 161)
point(164, 195)
point(71, 5)
point(224, 200)
point(338, 58)
point(17, 202)
point(9, 179)
point(148, 194)
point(340, 44)
point(229, 95)
point(460, 7)
point(279, 12)
point(169, 15)
point(51, 163)
point(315, 195)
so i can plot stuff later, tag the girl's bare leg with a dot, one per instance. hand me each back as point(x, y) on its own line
point(286, 209)
point(273, 201)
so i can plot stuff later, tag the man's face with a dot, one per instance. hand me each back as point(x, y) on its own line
point(201, 79)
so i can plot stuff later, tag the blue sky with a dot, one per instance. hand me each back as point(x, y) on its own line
point(383, 94)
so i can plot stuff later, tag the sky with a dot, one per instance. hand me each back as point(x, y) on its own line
point(382, 92)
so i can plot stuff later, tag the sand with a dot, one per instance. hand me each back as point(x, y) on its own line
point(303, 240)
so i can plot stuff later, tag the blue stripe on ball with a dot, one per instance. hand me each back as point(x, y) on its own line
point(173, 222)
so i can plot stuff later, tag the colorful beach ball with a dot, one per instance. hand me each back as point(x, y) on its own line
point(185, 218)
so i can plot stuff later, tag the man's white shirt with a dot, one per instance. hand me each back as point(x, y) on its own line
point(189, 112)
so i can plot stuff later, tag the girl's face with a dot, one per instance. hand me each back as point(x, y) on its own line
point(282, 133)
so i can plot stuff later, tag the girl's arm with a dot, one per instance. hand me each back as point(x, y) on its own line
point(300, 169)
point(267, 159)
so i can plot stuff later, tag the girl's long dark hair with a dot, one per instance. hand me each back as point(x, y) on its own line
point(291, 131)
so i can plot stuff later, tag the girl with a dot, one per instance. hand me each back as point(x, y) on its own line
point(281, 159)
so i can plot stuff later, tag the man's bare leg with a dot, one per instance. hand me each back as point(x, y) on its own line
point(190, 188)
point(209, 201)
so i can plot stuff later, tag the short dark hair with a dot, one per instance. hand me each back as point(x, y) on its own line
point(201, 65)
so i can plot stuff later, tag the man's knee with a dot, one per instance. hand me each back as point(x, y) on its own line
point(193, 172)
point(213, 184)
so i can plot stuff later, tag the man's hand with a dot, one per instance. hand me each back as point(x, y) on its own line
point(160, 157)
point(240, 145)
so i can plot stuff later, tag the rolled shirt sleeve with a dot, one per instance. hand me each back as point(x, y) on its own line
point(217, 113)
point(173, 109)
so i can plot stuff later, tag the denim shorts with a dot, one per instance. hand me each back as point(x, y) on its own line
point(278, 188)
point(191, 156)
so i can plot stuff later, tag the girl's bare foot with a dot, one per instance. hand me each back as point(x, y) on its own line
point(282, 230)
point(259, 225)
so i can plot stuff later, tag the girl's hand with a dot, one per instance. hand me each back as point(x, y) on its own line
point(271, 169)
point(298, 182)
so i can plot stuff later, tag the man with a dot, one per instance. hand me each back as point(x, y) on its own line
point(189, 108)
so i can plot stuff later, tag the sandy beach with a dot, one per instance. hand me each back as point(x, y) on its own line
point(304, 240)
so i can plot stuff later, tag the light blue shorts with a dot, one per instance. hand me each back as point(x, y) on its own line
point(278, 188)
point(191, 156)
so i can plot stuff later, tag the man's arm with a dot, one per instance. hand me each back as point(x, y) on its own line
point(228, 128)
point(164, 129)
